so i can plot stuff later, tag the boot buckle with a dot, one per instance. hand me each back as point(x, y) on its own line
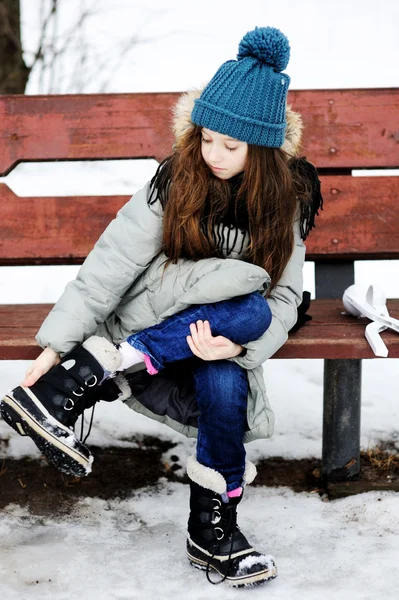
point(94, 382)
point(88, 376)
point(66, 407)
point(73, 387)
point(75, 393)
point(216, 517)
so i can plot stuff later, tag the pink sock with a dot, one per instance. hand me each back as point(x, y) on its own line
point(150, 368)
point(235, 493)
point(131, 356)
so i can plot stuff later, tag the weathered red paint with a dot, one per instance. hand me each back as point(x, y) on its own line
point(331, 334)
point(334, 334)
point(343, 128)
point(349, 128)
point(359, 221)
point(52, 230)
point(78, 127)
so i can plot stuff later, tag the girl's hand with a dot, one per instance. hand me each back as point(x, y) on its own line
point(44, 362)
point(205, 346)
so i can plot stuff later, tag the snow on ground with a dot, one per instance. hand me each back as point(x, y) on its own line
point(135, 549)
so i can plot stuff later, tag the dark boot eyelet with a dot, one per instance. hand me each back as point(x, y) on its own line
point(75, 393)
point(94, 382)
point(216, 517)
point(72, 404)
point(219, 536)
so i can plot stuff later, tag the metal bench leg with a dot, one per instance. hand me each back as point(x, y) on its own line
point(341, 420)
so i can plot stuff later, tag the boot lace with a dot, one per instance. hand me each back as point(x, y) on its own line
point(83, 437)
point(81, 392)
point(229, 530)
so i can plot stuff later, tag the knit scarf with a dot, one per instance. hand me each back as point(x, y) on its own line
point(309, 208)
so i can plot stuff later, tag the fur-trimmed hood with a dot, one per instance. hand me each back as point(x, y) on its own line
point(182, 123)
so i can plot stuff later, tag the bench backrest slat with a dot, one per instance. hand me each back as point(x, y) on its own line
point(343, 128)
point(84, 127)
point(52, 230)
point(350, 128)
point(359, 221)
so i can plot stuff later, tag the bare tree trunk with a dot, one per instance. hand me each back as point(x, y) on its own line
point(13, 71)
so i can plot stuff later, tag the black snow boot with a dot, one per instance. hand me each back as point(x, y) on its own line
point(47, 411)
point(215, 542)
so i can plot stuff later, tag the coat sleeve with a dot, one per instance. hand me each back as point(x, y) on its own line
point(283, 301)
point(121, 254)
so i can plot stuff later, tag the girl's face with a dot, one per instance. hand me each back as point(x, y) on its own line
point(224, 155)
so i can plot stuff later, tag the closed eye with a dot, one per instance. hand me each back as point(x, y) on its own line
point(227, 147)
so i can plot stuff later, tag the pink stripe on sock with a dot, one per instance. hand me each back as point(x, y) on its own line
point(235, 493)
point(150, 368)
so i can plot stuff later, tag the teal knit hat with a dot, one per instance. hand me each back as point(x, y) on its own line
point(246, 98)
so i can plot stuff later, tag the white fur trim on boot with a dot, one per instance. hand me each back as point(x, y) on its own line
point(124, 387)
point(249, 473)
point(104, 352)
point(205, 476)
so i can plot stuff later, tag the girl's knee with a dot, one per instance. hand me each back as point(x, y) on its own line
point(258, 309)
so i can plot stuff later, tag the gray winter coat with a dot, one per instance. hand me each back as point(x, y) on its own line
point(120, 290)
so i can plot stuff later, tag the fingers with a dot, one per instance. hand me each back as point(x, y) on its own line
point(207, 347)
point(47, 359)
point(28, 376)
point(200, 339)
point(32, 375)
point(197, 332)
point(201, 334)
point(192, 346)
point(207, 332)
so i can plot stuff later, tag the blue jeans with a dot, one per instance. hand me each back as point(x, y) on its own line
point(221, 386)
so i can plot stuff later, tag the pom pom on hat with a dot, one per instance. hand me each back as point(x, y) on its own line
point(266, 44)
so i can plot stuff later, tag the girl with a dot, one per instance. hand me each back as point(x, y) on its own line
point(187, 292)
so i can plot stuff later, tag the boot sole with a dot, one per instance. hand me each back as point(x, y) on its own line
point(24, 412)
point(249, 580)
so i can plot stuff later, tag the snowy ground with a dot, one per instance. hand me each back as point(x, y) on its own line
point(135, 549)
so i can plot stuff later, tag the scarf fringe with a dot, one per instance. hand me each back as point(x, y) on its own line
point(309, 207)
point(310, 204)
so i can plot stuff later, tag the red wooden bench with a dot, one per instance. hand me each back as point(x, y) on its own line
point(344, 129)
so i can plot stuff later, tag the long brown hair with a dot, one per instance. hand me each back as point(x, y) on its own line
point(196, 198)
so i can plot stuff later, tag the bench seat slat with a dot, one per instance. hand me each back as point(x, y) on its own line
point(331, 333)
